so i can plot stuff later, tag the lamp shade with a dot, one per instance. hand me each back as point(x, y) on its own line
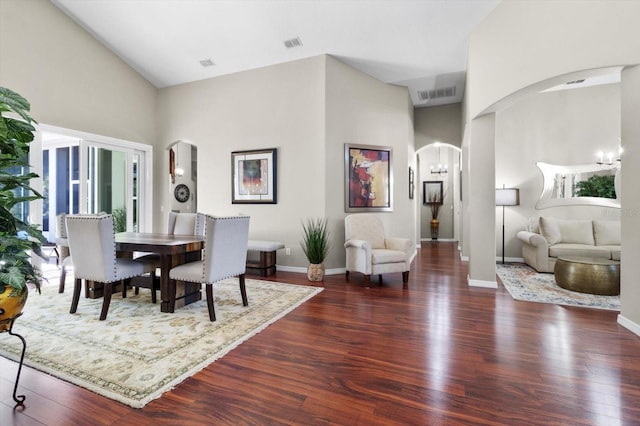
point(507, 197)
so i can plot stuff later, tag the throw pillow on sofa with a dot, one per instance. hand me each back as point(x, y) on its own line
point(607, 232)
point(570, 231)
point(550, 230)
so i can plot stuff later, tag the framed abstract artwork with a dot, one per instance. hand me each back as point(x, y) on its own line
point(254, 177)
point(368, 178)
point(432, 192)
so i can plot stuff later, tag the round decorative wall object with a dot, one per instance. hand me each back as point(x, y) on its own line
point(182, 193)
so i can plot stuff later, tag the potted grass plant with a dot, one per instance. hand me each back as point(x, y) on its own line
point(315, 244)
point(18, 239)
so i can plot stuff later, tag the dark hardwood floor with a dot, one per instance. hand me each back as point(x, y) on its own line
point(435, 353)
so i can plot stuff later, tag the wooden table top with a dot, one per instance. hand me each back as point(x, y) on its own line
point(158, 242)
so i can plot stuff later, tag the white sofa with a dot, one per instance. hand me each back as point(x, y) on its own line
point(547, 238)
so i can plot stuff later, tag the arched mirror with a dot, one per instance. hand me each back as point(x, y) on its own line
point(595, 184)
point(183, 173)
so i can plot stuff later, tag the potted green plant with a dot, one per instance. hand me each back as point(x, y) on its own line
point(18, 239)
point(315, 245)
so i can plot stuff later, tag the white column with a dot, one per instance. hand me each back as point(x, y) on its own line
point(482, 217)
point(630, 212)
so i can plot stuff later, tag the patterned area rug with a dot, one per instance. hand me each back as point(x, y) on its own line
point(524, 283)
point(138, 353)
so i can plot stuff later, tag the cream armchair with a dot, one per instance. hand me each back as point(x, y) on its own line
point(370, 252)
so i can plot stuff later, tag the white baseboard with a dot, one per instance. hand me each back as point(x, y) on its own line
point(628, 324)
point(509, 259)
point(303, 270)
point(481, 283)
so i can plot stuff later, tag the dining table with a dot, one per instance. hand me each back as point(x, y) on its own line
point(173, 250)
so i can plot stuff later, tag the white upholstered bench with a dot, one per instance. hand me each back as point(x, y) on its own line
point(261, 257)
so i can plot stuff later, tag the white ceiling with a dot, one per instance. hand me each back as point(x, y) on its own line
point(420, 44)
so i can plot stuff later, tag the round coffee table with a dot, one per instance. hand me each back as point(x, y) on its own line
point(588, 275)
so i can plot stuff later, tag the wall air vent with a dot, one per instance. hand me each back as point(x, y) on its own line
point(576, 81)
point(445, 92)
point(207, 63)
point(294, 42)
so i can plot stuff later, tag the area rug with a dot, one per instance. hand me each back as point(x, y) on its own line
point(138, 353)
point(524, 283)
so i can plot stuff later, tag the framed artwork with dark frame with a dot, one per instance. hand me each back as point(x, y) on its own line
point(432, 192)
point(411, 183)
point(254, 177)
point(368, 178)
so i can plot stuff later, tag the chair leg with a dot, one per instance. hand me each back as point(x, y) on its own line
point(243, 290)
point(106, 300)
point(347, 275)
point(405, 277)
point(380, 279)
point(212, 311)
point(76, 295)
point(63, 277)
point(125, 284)
point(154, 286)
point(367, 279)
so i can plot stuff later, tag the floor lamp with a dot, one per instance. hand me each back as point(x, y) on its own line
point(506, 197)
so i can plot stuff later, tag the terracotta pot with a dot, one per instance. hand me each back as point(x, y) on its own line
point(11, 303)
point(315, 272)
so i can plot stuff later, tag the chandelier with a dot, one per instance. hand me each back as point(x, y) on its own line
point(441, 168)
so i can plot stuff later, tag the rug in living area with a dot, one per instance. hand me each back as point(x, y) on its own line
point(138, 353)
point(524, 283)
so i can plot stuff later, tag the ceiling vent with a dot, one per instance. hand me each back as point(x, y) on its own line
point(294, 42)
point(445, 92)
point(207, 63)
point(576, 81)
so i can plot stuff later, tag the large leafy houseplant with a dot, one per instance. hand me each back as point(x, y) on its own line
point(18, 239)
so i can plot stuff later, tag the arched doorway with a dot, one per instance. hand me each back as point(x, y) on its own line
point(183, 175)
point(439, 163)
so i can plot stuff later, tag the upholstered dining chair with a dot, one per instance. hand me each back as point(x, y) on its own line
point(62, 245)
point(178, 224)
point(92, 242)
point(185, 223)
point(224, 256)
point(369, 251)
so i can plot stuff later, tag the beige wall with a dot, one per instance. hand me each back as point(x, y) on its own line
point(525, 42)
point(566, 127)
point(72, 80)
point(362, 110)
point(308, 109)
point(280, 106)
point(520, 46)
point(438, 124)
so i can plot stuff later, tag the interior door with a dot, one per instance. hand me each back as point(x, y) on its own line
point(112, 184)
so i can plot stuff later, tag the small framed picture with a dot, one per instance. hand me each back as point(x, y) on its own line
point(411, 183)
point(254, 177)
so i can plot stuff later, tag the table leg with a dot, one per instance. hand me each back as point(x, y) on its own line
point(167, 286)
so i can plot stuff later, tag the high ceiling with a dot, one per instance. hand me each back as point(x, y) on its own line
point(420, 44)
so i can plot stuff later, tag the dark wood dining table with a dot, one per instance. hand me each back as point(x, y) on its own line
point(173, 250)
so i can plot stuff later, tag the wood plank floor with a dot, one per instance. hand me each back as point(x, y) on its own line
point(435, 353)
